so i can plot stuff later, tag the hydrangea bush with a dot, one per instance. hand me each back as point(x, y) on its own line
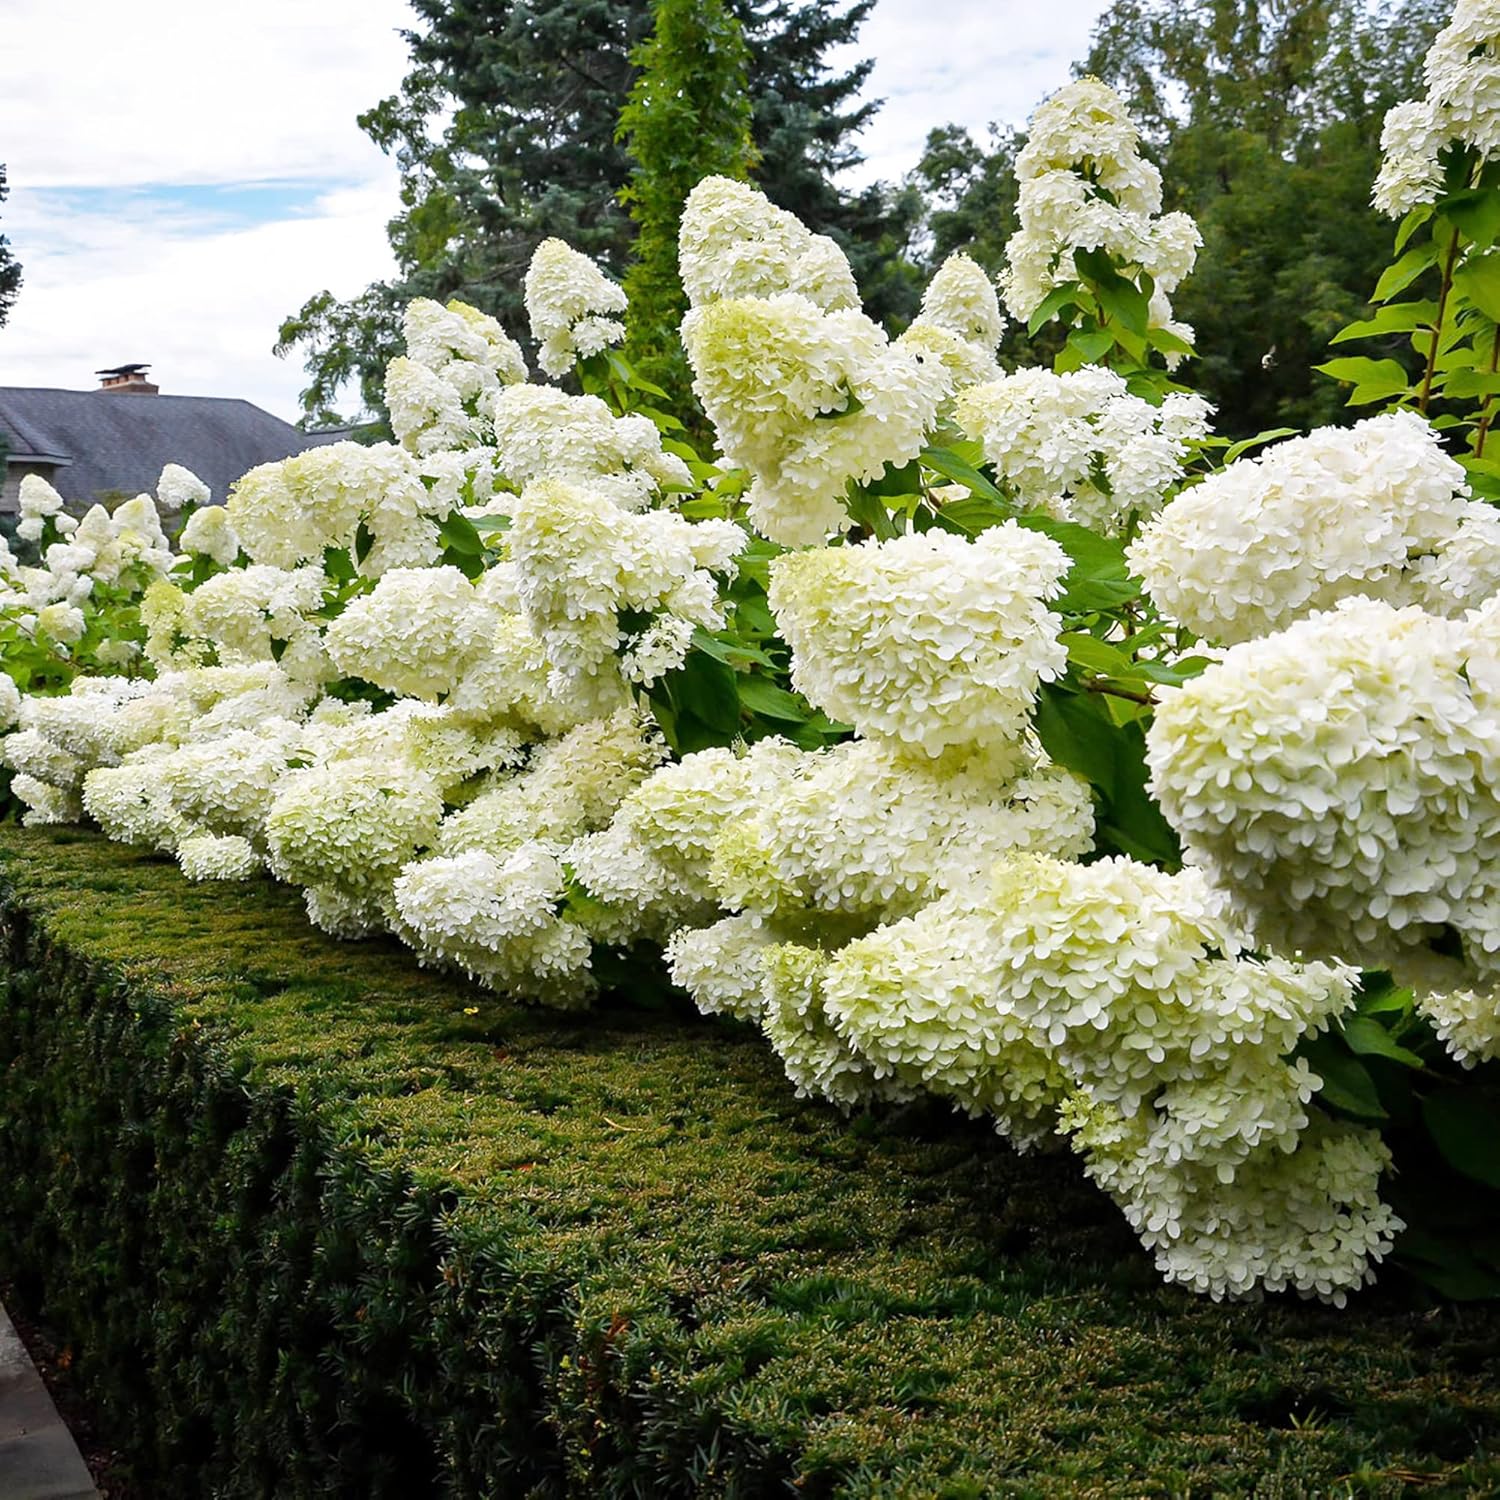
point(971, 733)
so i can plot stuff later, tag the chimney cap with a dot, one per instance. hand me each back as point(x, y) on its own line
point(124, 370)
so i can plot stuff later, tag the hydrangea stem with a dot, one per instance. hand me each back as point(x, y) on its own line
point(1437, 323)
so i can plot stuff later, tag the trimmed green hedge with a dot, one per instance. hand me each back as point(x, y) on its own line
point(317, 1222)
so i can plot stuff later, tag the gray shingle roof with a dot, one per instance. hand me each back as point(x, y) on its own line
point(121, 442)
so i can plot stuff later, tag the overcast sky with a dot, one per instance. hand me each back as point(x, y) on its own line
point(175, 191)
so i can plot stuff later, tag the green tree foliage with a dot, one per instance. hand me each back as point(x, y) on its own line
point(505, 132)
point(688, 117)
point(10, 267)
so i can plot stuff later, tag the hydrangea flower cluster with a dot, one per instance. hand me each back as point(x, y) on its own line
point(455, 358)
point(735, 243)
point(1462, 73)
point(1081, 446)
point(582, 561)
point(1114, 1003)
point(572, 306)
point(958, 327)
point(1377, 509)
point(803, 389)
point(1084, 185)
point(1340, 779)
point(74, 605)
point(369, 501)
point(544, 433)
point(931, 640)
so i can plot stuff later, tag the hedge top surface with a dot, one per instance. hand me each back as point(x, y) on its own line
point(901, 1303)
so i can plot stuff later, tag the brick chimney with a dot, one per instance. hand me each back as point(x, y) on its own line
point(127, 380)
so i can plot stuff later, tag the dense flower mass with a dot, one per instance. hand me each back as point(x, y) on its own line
point(930, 640)
point(1340, 779)
point(1462, 72)
point(736, 243)
point(840, 720)
point(572, 306)
point(1113, 1002)
point(1378, 509)
point(1081, 446)
point(807, 401)
point(1084, 185)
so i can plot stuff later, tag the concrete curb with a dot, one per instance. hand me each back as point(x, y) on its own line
point(38, 1458)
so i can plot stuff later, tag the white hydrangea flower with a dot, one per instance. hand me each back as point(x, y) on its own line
point(544, 433)
point(721, 966)
point(10, 701)
point(37, 500)
point(45, 804)
point(1085, 186)
point(179, 488)
point(654, 857)
point(569, 302)
point(734, 242)
point(512, 680)
point(288, 512)
point(819, 1061)
point(1113, 1001)
point(226, 783)
point(207, 856)
point(467, 347)
point(961, 298)
point(438, 742)
point(571, 786)
point(132, 806)
point(1368, 509)
point(1340, 780)
point(1310, 1220)
point(428, 414)
point(243, 611)
point(929, 639)
point(580, 560)
point(1410, 173)
point(350, 825)
point(210, 533)
point(806, 400)
point(864, 831)
point(1462, 1003)
point(416, 633)
point(1080, 445)
point(63, 622)
point(496, 919)
point(343, 914)
point(31, 753)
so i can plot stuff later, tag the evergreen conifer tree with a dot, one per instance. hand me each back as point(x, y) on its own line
point(505, 133)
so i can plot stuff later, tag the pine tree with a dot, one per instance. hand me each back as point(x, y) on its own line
point(529, 94)
point(687, 118)
point(10, 267)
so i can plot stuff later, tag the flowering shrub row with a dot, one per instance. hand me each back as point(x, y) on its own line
point(865, 724)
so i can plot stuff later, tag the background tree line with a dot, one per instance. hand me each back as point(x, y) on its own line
point(1264, 116)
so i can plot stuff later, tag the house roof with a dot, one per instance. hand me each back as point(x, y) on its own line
point(103, 442)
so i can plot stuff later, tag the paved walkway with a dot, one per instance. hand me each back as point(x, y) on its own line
point(38, 1458)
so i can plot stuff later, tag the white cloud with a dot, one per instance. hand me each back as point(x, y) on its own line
point(181, 91)
point(127, 255)
point(180, 94)
point(202, 308)
point(971, 62)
